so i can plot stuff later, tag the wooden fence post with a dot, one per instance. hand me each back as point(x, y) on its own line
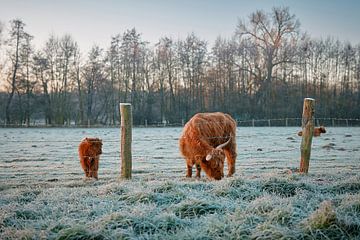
point(307, 133)
point(126, 138)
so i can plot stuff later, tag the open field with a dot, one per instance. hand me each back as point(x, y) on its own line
point(43, 193)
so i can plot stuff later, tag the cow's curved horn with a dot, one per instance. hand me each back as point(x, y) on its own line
point(208, 157)
point(224, 144)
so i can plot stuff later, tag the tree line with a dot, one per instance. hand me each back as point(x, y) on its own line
point(263, 71)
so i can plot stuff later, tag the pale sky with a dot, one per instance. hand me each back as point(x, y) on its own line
point(95, 21)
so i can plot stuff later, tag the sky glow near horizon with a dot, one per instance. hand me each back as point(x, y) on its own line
point(92, 22)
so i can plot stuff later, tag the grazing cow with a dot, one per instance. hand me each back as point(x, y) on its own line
point(317, 131)
point(89, 154)
point(205, 141)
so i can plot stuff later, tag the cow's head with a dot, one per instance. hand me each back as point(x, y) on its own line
point(322, 129)
point(213, 164)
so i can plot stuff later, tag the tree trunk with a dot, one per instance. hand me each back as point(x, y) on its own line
point(13, 79)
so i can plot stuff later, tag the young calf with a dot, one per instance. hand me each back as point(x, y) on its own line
point(89, 154)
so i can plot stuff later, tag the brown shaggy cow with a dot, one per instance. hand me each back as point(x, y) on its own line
point(205, 141)
point(89, 154)
point(317, 131)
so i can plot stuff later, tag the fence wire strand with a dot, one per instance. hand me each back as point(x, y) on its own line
point(246, 122)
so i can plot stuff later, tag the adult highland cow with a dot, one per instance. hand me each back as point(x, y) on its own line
point(205, 141)
point(89, 154)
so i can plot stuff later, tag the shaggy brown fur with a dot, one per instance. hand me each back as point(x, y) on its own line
point(317, 131)
point(89, 154)
point(199, 139)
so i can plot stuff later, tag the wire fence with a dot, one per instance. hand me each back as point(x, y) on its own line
point(274, 122)
point(53, 153)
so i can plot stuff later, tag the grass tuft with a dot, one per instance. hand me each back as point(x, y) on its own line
point(322, 218)
point(28, 196)
point(164, 188)
point(281, 187)
point(270, 231)
point(78, 233)
point(349, 214)
point(196, 208)
point(346, 187)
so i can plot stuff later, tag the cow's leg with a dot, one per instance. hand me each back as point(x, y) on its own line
point(198, 170)
point(189, 165)
point(189, 171)
point(231, 158)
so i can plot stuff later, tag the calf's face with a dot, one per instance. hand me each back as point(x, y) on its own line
point(96, 147)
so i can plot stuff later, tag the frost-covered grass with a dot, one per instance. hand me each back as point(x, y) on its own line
point(266, 199)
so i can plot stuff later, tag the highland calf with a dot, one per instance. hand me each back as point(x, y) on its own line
point(205, 141)
point(89, 154)
point(317, 131)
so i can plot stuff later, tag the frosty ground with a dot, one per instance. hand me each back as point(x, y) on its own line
point(43, 193)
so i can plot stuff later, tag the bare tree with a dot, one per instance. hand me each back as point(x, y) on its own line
point(167, 64)
point(26, 81)
point(94, 76)
point(192, 57)
point(132, 50)
point(42, 76)
point(17, 37)
point(114, 70)
point(270, 33)
point(49, 81)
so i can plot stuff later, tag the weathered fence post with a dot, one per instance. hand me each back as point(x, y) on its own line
point(126, 138)
point(269, 123)
point(253, 122)
point(307, 133)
